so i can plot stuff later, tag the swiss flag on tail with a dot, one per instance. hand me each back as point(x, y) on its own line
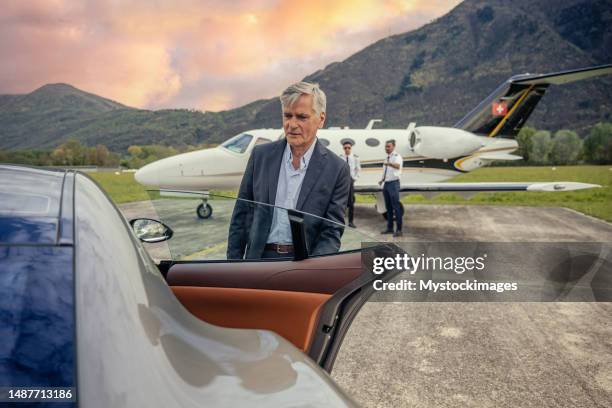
point(499, 109)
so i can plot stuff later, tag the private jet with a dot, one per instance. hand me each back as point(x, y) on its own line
point(432, 155)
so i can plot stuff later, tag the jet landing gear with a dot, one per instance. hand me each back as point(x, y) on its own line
point(204, 210)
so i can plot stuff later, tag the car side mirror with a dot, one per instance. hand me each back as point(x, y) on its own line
point(150, 231)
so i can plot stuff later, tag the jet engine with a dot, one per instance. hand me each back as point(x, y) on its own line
point(443, 143)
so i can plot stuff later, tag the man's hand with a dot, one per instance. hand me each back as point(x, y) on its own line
point(380, 182)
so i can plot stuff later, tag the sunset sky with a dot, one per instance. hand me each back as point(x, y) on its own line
point(206, 55)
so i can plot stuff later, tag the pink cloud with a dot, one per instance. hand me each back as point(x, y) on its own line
point(191, 54)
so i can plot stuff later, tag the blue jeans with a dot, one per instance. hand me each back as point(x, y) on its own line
point(391, 191)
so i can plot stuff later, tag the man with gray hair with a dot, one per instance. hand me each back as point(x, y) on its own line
point(296, 172)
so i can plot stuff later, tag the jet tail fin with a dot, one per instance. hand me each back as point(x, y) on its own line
point(504, 112)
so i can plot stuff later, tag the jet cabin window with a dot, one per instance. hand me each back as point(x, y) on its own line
point(238, 144)
point(262, 140)
point(372, 142)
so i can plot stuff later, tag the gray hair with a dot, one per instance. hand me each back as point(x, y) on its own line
point(293, 92)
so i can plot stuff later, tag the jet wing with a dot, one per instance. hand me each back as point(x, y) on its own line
point(482, 187)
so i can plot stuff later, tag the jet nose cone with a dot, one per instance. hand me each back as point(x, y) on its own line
point(147, 176)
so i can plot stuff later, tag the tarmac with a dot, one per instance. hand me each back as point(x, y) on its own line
point(482, 354)
point(435, 354)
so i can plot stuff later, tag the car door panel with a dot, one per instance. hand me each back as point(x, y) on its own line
point(284, 296)
point(290, 314)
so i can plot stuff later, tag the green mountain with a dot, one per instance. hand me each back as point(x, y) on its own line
point(44, 117)
point(432, 76)
point(54, 113)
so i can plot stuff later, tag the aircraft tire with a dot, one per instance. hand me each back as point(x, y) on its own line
point(204, 211)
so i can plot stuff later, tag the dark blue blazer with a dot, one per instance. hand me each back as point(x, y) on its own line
point(324, 193)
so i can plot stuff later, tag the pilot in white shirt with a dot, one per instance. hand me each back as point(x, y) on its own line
point(392, 170)
point(355, 167)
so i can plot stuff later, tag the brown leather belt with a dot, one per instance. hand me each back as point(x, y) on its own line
point(279, 248)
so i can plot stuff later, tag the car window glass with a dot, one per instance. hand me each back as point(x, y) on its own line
point(195, 238)
point(238, 144)
point(30, 192)
point(37, 347)
point(24, 204)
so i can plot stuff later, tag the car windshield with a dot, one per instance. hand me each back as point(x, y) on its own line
point(239, 143)
point(214, 237)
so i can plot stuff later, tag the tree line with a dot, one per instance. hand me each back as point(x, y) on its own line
point(69, 153)
point(537, 147)
point(541, 147)
point(73, 153)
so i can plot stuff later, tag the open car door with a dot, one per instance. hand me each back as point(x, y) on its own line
point(310, 300)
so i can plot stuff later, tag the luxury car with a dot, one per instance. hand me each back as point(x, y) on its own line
point(84, 308)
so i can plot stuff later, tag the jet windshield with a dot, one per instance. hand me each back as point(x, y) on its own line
point(238, 144)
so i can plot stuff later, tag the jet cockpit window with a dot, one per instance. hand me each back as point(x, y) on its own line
point(238, 144)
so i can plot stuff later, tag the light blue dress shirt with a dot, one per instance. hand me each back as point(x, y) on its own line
point(287, 193)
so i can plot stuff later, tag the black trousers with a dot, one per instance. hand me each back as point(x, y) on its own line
point(391, 193)
point(351, 202)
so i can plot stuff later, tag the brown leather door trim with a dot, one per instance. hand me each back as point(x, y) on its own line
point(325, 274)
point(290, 314)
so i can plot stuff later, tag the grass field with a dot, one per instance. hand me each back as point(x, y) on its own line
point(121, 187)
point(596, 202)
